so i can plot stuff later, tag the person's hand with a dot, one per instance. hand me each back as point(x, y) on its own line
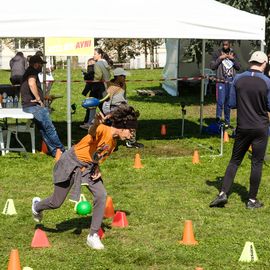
point(96, 174)
point(38, 101)
point(230, 56)
point(223, 56)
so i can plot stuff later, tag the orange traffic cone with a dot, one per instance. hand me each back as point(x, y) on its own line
point(196, 157)
point(226, 137)
point(163, 130)
point(120, 220)
point(137, 162)
point(14, 260)
point(40, 239)
point(101, 233)
point(44, 149)
point(109, 209)
point(188, 236)
point(57, 154)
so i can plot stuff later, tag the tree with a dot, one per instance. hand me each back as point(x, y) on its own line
point(121, 50)
point(261, 7)
point(150, 45)
point(18, 43)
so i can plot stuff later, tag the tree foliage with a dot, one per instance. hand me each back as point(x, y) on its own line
point(13, 43)
point(258, 7)
point(120, 49)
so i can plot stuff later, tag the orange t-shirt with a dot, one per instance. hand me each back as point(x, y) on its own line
point(89, 150)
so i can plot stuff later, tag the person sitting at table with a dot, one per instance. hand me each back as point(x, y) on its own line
point(33, 102)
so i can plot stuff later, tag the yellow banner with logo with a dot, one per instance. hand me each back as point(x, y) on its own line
point(69, 46)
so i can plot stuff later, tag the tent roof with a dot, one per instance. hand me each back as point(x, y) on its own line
point(205, 19)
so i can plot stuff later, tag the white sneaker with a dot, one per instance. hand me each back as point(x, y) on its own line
point(36, 215)
point(94, 242)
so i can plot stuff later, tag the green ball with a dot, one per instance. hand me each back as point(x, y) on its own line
point(84, 208)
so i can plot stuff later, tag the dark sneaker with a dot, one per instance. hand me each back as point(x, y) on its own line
point(219, 201)
point(134, 145)
point(253, 205)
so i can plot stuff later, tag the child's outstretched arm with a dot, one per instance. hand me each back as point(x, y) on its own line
point(99, 119)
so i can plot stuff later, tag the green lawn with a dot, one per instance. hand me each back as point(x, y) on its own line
point(157, 199)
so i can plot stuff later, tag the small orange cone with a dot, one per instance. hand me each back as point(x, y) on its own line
point(109, 209)
point(120, 220)
point(14, 260)
point(196, 157)
point(101, 233)
point(40, 239)
point(188, 236)
point(57, 154)
point(226, 137)
point(44, 148)
point(137, 162)
point(163, 130)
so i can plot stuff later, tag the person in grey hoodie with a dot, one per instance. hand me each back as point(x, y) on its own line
point(18, 65)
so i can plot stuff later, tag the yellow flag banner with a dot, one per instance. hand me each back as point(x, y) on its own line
point(69, 46)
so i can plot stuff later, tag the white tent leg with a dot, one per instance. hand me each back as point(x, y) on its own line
point(68, 102)
point(262, 45)
point(202, 86)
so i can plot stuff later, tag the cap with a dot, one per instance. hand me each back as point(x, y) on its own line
point(36, 59)
point(119, 72)
point(259, 57)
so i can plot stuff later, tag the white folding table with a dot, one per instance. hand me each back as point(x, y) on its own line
point(16, 113)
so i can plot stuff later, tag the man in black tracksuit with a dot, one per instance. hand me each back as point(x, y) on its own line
point(250, 95)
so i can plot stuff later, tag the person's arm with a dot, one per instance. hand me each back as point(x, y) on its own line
point(34, 89)
point(99, 119)
point(268, 94)
point(232, 101)
point(216, 61)
point(236, 63)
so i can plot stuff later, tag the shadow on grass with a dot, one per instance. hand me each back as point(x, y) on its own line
point(149, 129)
point(190, 94)
point(236, 188)
point(75, 224)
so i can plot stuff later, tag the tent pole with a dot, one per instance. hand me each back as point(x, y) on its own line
point(68, 102)
point(178, 68)
point(202, 86)
point(262, 45)
point(44, 70)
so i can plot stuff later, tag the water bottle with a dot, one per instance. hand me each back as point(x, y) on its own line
point(11, 102)
point(8, 102)
point(15, 101)
point(4, 101)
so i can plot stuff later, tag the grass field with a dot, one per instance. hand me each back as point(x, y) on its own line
point(157, 199)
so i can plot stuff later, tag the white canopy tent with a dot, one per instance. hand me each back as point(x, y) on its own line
point(201, 19)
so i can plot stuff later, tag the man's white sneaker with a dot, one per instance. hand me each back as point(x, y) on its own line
point(94, 242)
point(36, 215)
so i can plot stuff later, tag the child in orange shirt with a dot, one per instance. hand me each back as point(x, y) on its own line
point(80, 165)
